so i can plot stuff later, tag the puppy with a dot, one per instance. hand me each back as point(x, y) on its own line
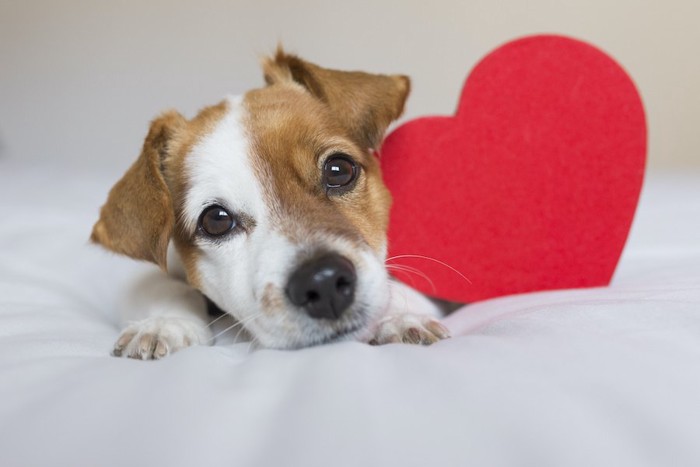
point(272, 206)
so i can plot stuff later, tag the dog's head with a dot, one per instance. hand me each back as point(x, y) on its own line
point(273, 202)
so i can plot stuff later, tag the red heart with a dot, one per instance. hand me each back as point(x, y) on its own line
point(532, 185)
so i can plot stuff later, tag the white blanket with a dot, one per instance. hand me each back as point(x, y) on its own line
point(607, 376)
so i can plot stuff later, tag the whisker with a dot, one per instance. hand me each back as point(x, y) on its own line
point(248, 320)
point(253, 341)
point(396, 267)
point(416, 271)
point(217, 319)
point(237, 323)
point(430, 259)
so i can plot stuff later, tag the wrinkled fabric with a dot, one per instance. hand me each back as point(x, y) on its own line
point(607, 376)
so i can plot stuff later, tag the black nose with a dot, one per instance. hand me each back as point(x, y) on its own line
point(324, 287)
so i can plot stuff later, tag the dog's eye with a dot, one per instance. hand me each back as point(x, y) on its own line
point(339, 171)
point(216, 221)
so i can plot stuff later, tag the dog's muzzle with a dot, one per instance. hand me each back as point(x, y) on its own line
point(324, 287)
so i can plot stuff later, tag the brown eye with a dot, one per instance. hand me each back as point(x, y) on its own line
point(339, 171)
point(216, 221)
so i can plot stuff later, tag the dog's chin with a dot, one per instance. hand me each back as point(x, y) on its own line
point(312, 339)
point(349, 334)
point(359, 333)
point(359, 328)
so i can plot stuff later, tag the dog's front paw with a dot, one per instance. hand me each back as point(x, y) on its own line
point(409, 328)
point(154, 338)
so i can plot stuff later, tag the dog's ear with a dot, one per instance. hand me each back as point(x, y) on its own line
point(364, 103)
point(137, 220)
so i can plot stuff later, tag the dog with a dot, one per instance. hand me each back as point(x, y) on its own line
point(271, 205)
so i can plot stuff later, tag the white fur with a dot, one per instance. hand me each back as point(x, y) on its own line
point(404, 299)
point(164, 315)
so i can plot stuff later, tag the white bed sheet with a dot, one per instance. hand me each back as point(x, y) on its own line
point(607, 376)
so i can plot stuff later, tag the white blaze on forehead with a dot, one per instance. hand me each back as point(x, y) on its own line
point(219, 170)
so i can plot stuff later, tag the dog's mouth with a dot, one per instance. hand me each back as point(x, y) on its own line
point(342, 334)
point(349, 333)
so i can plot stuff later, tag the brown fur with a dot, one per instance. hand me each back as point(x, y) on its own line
point(306, 113)
point(363, 103)
point(271, 300)
point(138, 219)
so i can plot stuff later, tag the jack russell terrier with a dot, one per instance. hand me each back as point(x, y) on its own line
point(272, 206)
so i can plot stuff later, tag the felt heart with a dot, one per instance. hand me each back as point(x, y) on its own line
point(532, 185)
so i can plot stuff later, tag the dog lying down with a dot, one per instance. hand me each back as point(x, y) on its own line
point(272, 206)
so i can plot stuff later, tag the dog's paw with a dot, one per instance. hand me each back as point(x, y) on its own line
point(154, 338)
point(409, 328)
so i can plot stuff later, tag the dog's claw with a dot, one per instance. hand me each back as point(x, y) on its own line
point(409, 329)
point(155, 338)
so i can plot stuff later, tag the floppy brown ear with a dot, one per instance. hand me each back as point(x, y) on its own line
point(137, 219)
point(364, 103)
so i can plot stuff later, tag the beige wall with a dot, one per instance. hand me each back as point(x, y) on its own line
point(79, 80)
